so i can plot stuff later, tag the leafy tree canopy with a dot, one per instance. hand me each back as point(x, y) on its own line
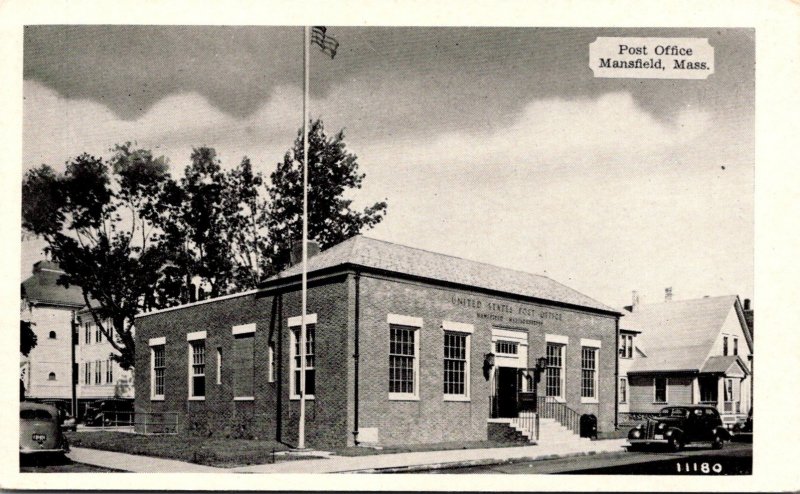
point(332, 172)
point(97, 218)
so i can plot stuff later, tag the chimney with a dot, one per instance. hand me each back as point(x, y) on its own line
point(668, 294)
point(46, 265)
point(296, 255)
point(634, 300)
point(746, 304)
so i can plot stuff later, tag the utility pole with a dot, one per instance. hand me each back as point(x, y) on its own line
point(73, 371)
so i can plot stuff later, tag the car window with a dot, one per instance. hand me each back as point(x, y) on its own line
point(698, 412)
point(35, 415)
point(711, 412)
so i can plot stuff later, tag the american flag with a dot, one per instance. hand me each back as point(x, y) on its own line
point(326, 42)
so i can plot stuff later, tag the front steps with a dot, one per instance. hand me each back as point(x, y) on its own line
point(551, 433)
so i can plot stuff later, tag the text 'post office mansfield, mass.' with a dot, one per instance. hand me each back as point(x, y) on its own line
point(403, 346)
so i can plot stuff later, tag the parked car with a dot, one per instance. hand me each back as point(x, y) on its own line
point(65, 418)
point(677, 426)
point(39, 430)
point(109, 412)
point(744, 430)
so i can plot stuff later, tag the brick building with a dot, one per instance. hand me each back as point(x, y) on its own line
point(404, 346)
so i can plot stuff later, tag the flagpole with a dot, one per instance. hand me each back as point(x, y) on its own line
point(301, 434)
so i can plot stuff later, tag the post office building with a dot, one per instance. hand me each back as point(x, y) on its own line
point(402, 346)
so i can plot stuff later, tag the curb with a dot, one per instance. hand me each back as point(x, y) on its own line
point(475, 463)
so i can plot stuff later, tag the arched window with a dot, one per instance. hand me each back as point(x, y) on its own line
point(51, 376)
point(52, 335)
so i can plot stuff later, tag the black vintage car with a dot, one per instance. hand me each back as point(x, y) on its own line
point(679, 425)
point(109, 412)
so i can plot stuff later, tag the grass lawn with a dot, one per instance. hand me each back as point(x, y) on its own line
point(220, 452)
point(425, 447)
point(620, 433)
point(217, 452)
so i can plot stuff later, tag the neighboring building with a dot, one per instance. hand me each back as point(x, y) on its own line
point(689, 352)
point(47, 371)
point(404, 346)
point(99, 377)
point(628, 352)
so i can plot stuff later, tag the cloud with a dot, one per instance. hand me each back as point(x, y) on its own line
point(597, 192)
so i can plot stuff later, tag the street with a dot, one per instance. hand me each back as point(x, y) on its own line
point(733, 459)
point(56, 464)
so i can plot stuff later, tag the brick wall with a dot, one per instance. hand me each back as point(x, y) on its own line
point(431, 419)
point(219, 413)
point(330, 417)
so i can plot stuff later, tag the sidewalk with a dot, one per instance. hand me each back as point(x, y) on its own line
point(430, 460)
point(136, 463)
point(406, 462)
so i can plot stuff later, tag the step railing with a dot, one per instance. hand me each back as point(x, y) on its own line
point(549, 408)
point(528, 421)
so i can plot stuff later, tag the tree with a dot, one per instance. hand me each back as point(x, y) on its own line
point(217, 224)
point(246, 211)
point(27, 337)
point(332, 172)
point(98, 219)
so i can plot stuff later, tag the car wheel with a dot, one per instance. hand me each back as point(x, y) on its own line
point(676, 444)
point(718, 442)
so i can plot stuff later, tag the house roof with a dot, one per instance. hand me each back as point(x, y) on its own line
point(721, 364)
point(678, 335)
point(43, 288)
point(386, 256)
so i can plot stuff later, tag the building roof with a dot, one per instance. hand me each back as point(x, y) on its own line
point(386, 256)
point(43, 288)
point(721, 364)
point(678, 335)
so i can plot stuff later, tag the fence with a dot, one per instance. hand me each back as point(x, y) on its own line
point(115, 420)
point(157, 422)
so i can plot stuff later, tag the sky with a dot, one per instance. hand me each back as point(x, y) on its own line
point(492, 144)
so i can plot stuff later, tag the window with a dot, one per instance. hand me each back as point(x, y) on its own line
point(159, 366)
point(52, 335)
point(626, 346)
point(271, 362)
point(736, 346)
point(243, 366)
point(402, 360)
point(51, 376)
point(623, 390)
point(109, 372)
point(97, 372)
point(660, 390)
point(506, 347)
point(588, 373)
point(219, 365)
point(708, 389)
point(724, 345)
point(310, 360)
point(197, 365)
point(98, 336)
point(87, 333)
point(456, 364)
point(87, 373)
point(554, 372)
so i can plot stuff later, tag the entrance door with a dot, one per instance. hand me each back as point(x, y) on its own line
point(508, 383)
